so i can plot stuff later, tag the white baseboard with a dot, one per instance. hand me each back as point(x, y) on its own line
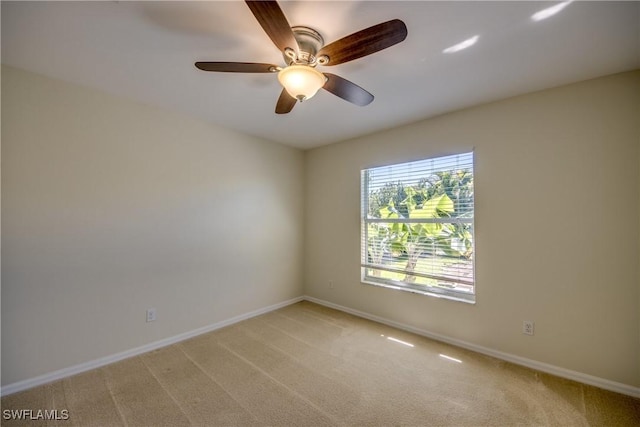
point(543, 367)
point(529, 363)
point(93, 364)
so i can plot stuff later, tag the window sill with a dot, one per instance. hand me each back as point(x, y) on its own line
point(469, 300)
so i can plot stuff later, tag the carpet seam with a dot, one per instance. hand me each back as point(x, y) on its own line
point(191, 422)
point(291, 336)
point(64, 396)
point(113, 399)
point(184, 351)
point(283, 352)
point(248, 362)
point(328, 321)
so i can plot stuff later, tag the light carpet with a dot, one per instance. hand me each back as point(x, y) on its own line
point(308, 365)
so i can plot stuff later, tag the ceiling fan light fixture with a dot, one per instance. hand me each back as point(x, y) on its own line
point(301, 81)
point(303, 48)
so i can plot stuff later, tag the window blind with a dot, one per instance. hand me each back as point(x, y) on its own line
point(417, 226)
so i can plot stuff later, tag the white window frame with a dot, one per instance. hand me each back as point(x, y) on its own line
point(459, 289)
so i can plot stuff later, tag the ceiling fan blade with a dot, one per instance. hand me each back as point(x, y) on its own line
point(365, 42)
point(274, 23)
point(347, 90)
point(285, 103)
point(237, 67)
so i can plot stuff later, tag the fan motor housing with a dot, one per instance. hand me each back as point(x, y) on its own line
point(309, 44)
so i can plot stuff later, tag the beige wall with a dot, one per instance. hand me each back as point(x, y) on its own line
point(557, 237)
point(110, 208)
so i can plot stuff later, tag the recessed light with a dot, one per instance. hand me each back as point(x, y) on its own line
point(550, 11)
point(462, 45)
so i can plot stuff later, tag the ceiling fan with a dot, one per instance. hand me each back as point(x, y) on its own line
point(303, 49)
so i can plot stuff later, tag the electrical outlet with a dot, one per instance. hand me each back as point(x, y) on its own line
point(151, 315)
point(330, 284)
point(527, 327)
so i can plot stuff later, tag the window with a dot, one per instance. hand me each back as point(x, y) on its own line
point(417, 226)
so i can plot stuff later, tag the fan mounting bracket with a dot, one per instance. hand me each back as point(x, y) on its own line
point(309, 44)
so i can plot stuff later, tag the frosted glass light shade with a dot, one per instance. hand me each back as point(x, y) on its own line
point(301, 81)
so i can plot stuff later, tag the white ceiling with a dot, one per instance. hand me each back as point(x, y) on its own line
point(145, 51)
